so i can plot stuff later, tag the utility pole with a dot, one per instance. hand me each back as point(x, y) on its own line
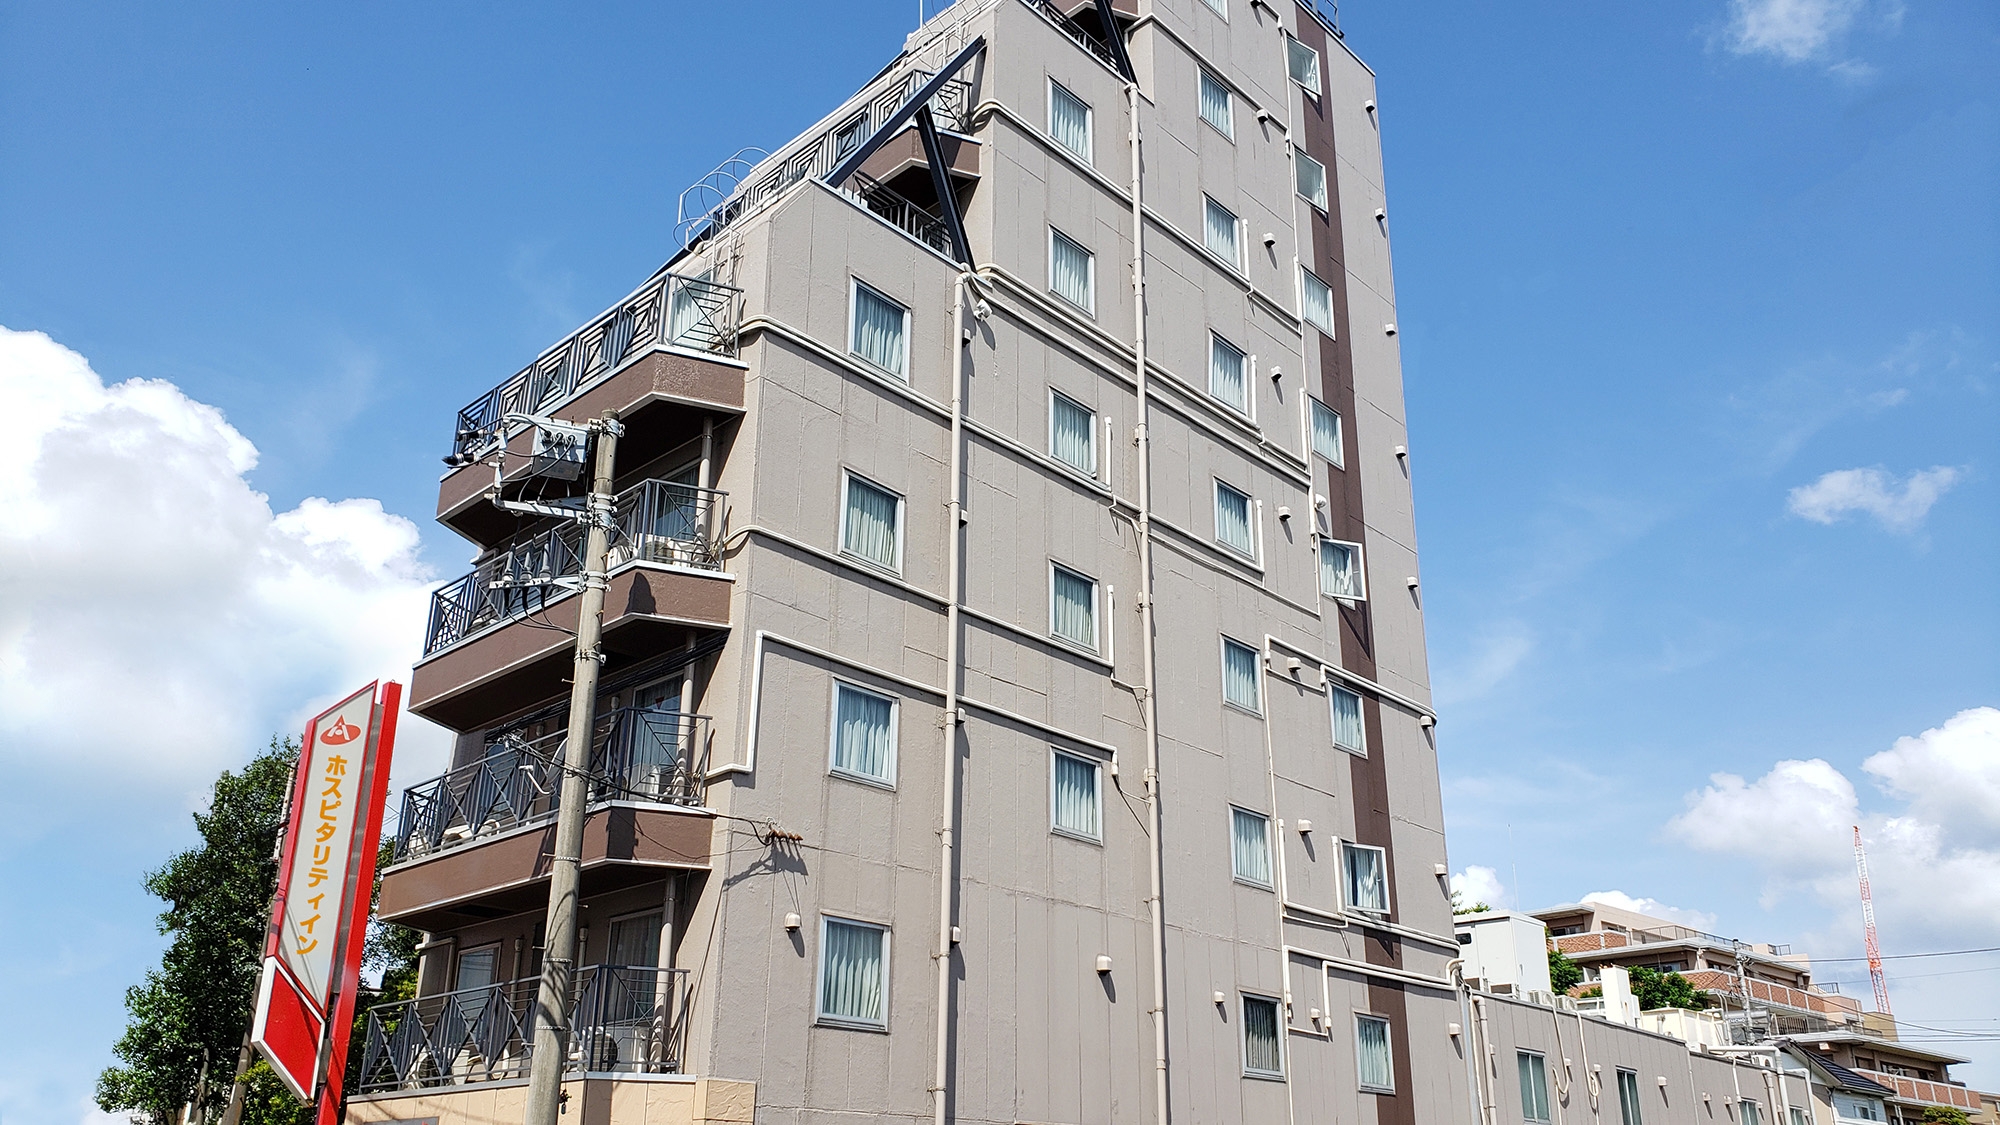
point(551, 1050)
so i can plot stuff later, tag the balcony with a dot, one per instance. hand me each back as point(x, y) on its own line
point(476, 841)
point(628, 1019)
point(1923, 1091)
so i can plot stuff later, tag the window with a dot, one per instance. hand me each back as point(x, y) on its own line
point(1327, 441)
point(1215, 107)
point(1072, 271)
point(635, 940)
point(1309, 176)
point(1303, 63)
point(1219, 232)
point(1316, 301)
point(1340, 570)
point(853, 976)
point(1367, 877)
point(873, 526)
point(1856, 1109)
point(1072, 433)
point(1348, 732)
point(1628, 1098)
point(1753, 1114)
point(1250, 846)
point(881, 331)
point(1534, 1086)
point(864, 734)
point(1371, 1054)
point(1075, 807)
point(1069, 120)
point(1221, 7)
point(477, 968)
point(1073, 606)
point(1239, 675)
point(1232, 519)
point(1263, 1050)
point(1228, 374)
point(1797, 1116)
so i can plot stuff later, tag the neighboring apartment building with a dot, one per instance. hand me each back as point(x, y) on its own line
point(1014, 705)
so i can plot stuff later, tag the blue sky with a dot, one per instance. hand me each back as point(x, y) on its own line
point(1698, 312)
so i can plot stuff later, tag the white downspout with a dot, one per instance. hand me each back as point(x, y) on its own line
point(955, 527)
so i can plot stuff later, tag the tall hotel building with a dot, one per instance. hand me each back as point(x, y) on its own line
point(1013, 701)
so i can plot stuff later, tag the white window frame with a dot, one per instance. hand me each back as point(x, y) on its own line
point(1304, 308)
point(1236, 225)
point(1315, 88)
point(1250, 508)
point(1629, 1112)
point(1244, 999)
point(820, 1015)
point(1388, 1045)
point(1228, 126)
point(1241, 409)
point(1095, 598)
point(1346, 883)
point(1089, 153)
point(1089, 305)
point(1256, 680)
point(902, 506)
point(1543, 1093)
point(1339, 458)
point(833, 766)
point(1219, 7)
point(1097, 793)
point(854, 328)
point(1360, 751)
point(1300, 160)
point(643, 912)
point(1090, 472)
point(1271, 859)
point(458, 963)
point(1360, 571)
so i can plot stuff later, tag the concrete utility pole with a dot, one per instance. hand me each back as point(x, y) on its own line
point(551, 1049)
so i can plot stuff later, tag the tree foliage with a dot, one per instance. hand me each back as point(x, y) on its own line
point(1944, 1115)
point(1655, 989)
point(197, 1004)
point(1458, 905)
point(1564, 974)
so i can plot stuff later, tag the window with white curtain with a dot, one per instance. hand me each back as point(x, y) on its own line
point(1327, 441)
point(1232, 520)
point(1228, 374)
point(1263, 1042)
point(1309, 177)
point(1239, 676)
point(1340, 570)
point(1072, 433)
point(1367, 872)
point(1072, 271)
point(1075, 806)
point(1215, 107)
point(1303, 63)
point(864, 734)
point(872, 527)
point(1221, 7)
point(688, 323)
point(1250, 846)
point(1349, 733)
point(1073, 606)
point(1797, 1115)
point(1628, 1100)
point(853, 973)
point(1534, 1073)
point(1220, 231)
point(1069, 120)
point(1372, 1062)
point(1315, 301)
point(880, 333)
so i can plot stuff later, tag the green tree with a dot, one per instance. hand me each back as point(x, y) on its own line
point(1943, 1115)
point(1655, 989)
point(1564, 974)
point(197, 1004)
point(1458, 907)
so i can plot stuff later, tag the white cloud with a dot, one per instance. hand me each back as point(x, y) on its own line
point(155, 613)
point(1950, 775)
point(1793, 30)
point(1478, 884)
point(1898, 507)
point(1653, 908)
point(1792, 819)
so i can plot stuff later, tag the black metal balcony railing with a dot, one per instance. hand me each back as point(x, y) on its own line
point(671, 310)
point(899, 212)
point(626, 1019)
point(1075, 31)
point(657, 522)
point(637, 753)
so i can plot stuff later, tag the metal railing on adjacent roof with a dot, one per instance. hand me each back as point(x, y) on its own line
point(657, 521)
point(1074, 31)
point(899, 212)
point(670, 310)
point(627, 1019)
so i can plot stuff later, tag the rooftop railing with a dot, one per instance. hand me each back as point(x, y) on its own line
point(899, 212)
point(626, 1019)
point(637, 754)
point(657, 521)
point(1074, 30)
point(670, 310)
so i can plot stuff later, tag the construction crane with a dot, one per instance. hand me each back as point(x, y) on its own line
point(1868, 928)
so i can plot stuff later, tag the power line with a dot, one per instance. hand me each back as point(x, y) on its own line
point(1906, 956)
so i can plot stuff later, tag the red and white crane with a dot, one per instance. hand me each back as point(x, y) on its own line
point(1868, 928)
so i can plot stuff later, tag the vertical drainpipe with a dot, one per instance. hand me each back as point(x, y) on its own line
point(1142, 436)
point(955, 524)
